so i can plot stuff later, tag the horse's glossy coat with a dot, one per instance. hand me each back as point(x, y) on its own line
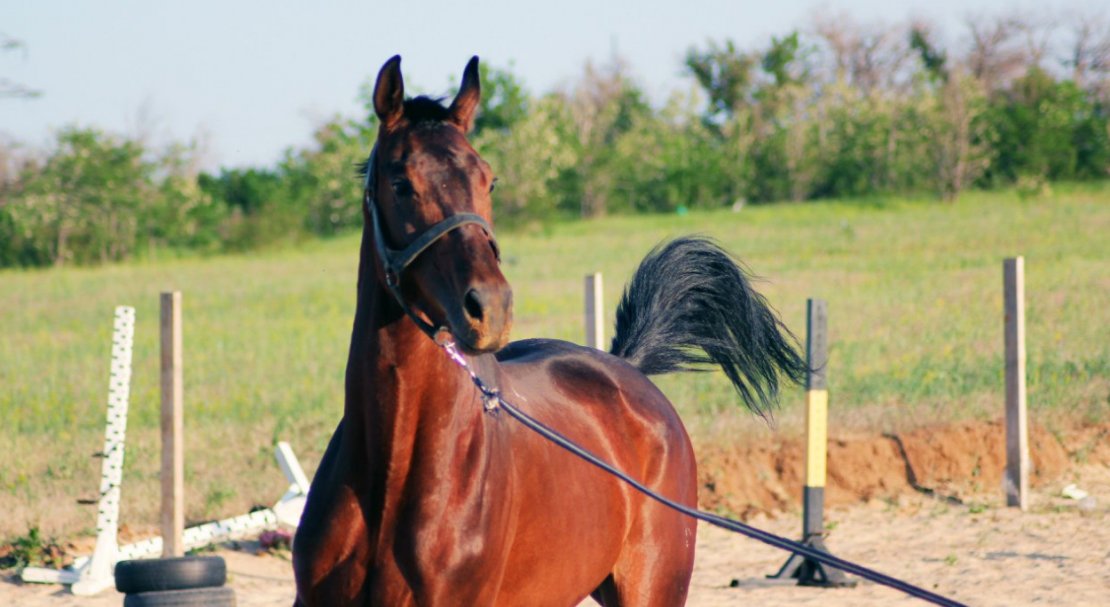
point(423, 499)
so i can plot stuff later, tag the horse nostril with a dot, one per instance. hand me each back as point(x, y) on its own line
point(472, 303)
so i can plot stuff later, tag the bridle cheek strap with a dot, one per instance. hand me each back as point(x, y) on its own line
point(395, 261)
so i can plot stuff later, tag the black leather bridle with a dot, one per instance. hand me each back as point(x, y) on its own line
point(394, 261)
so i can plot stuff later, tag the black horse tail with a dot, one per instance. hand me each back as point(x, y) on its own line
point(690, 303)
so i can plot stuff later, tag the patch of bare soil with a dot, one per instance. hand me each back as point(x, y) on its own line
point(963, 461)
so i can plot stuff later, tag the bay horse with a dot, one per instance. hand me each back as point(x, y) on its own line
point(421, 497)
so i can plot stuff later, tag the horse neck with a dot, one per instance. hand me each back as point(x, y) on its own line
point(401, 389)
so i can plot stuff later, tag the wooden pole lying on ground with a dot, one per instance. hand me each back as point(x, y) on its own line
point(798, 569)
point(1017, 427)
point(595, 312)
point(173, 432)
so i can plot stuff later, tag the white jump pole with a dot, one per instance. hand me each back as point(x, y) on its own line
point(285, 513)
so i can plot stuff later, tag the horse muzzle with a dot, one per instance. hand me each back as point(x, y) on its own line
point(483, 320)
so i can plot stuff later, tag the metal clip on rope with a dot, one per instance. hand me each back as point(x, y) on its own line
point(491, 397)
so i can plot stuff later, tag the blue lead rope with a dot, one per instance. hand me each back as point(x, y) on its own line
point(493, 402)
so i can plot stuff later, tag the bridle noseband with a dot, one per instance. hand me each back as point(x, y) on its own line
point(394, 261)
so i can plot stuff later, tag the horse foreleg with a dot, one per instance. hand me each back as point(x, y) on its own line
point(330, 549)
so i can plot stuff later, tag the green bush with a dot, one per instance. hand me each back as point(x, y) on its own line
point(840, 112)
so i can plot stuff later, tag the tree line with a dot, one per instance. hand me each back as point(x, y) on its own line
point(837, 109)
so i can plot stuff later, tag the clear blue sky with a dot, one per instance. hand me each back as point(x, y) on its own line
point(257, 76)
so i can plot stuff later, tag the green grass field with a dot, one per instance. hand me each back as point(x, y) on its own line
point(914, 292)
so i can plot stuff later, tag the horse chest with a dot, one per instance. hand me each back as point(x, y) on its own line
point(444, 546)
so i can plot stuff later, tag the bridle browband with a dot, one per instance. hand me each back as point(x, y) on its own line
point(394, 261)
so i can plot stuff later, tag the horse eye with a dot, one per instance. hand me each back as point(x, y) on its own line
point(496, 250)
point(402, 187)
point(492, 184)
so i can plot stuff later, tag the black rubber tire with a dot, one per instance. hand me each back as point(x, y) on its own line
point(193, 597)
point(183, 573)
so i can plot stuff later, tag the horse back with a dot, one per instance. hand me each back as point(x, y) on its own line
point(574, 383)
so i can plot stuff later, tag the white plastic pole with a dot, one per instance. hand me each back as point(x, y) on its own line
point(98, 574)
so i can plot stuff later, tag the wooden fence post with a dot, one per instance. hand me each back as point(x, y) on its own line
point(595, 312)
point(1017, 428)
point(173, 433)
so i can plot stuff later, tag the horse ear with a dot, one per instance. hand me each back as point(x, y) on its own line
point(465, 104)
point(389, 93)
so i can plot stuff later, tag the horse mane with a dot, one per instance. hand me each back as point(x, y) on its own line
point(421, 109)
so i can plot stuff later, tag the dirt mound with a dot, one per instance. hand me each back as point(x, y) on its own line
point(970, 458)
point(959, 460)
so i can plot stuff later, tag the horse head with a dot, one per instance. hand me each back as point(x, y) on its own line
point(428, 200)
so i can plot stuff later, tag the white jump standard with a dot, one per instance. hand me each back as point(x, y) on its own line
point(90, 575)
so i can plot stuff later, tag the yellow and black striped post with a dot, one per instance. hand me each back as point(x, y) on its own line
point(798, 569)
point(817, 417)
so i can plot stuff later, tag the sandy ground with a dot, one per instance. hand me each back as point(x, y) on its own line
point(1058, 553)
point(1055, 554)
